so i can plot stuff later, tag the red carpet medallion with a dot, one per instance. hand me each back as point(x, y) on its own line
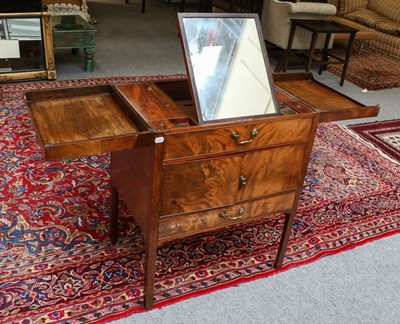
point(56, 261)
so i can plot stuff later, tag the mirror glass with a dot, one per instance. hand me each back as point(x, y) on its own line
point(21, 45)
point(227, 65)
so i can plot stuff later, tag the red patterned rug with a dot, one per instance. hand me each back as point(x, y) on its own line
point(58, 265)
point(385, 135)
point(371, 70)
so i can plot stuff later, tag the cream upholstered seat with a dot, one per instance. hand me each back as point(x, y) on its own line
point(275, 21)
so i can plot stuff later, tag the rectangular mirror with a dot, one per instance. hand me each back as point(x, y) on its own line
point(228, 66)
point(26, 47)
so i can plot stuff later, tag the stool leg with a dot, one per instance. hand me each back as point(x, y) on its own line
point(283, 62)
point(311, 51)
point(347, 59)
point(325, 57)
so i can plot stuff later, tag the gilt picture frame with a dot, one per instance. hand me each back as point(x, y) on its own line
point(27, 51)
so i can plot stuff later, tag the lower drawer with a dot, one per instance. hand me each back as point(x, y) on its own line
point(185, 225)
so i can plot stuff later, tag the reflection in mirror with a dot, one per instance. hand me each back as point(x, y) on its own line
point(21, 46)
point(227, 65)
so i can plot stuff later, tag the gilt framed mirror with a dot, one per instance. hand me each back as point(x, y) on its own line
point(228, 66)
point(26, 47)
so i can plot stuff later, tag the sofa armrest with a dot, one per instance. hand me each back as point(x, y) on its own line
point(311, 7)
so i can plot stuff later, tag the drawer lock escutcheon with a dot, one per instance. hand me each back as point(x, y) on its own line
point(235, 135)
point(224, 214)
point(243, 180)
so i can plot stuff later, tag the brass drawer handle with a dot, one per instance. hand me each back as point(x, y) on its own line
point(235, 136)
point(224, 214)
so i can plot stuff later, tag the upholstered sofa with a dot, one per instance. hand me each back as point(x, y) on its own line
point(275, 21)
point(381, 16)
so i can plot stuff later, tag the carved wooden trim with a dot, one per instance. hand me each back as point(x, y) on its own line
point(62, 9)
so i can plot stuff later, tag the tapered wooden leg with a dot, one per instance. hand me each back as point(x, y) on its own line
point(149, 273)
point(287, 230)
point(114, 216)
point(325, 56)
point(284, 61)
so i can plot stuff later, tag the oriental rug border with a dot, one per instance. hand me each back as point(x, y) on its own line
point(385, 135)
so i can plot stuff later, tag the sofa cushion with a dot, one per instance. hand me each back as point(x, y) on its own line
point(387, 8)
point(346, 6)
point(367, 17)
point(392, 28)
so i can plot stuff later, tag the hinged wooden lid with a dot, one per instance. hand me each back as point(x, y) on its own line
point(332, 105)
point(82, 121)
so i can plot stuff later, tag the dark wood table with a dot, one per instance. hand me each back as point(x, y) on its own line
point(317, 27)
point(73, 32)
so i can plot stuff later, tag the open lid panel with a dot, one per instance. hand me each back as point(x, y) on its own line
point(300, 89)
point(227, 65)
point(79, 121)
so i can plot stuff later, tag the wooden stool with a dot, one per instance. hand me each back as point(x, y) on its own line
point(317, 27)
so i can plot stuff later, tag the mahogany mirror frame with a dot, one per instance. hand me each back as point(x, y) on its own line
point(270, 106)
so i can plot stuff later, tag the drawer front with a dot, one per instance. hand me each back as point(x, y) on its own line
point(192, 186)
point(186, 225)
point(197, 143)
point(271, 171)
